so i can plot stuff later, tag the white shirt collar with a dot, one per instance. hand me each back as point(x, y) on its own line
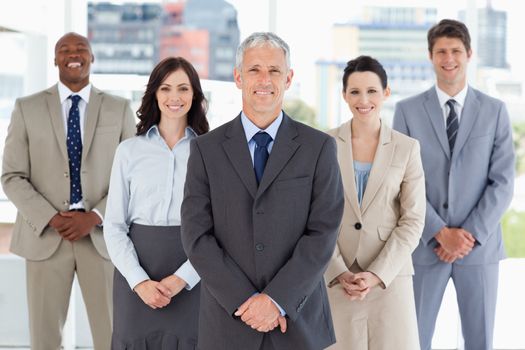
point(64, 92)
point(443, 97)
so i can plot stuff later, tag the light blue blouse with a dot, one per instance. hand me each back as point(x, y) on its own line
point(361, 171)
point(146, 187)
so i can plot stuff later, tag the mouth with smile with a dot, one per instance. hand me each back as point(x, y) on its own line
point(364, 110)
point(74, 65)
point(175, 108)
point(263, 92)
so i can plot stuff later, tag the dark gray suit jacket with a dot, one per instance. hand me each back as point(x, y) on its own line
point(276, 238)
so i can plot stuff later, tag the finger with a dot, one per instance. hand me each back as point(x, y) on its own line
point(242, 309)
point(165, 291)
point(282, 324)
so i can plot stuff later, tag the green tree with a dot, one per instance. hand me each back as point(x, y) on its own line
point(300, 111)
point(518, 130)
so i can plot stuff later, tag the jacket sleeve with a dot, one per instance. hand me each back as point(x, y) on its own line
point(34, 208)
point(485, 217)
point(405, 237)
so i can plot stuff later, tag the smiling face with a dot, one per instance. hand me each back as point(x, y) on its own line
point(364, 95)
point(174, 96)
point(263, 79)
point(450, 59)
point(73, 57)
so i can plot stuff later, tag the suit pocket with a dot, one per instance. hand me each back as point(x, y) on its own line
point(290, 183)
point(384, 232)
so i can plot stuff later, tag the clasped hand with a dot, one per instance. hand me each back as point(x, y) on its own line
point(158, 294)
point(260, 313)
point(358, 285)
point(454, 243)
point(73, 225)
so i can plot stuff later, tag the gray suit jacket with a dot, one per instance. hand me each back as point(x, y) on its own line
point(35, 171)
point(276, 238)
point(473, 188)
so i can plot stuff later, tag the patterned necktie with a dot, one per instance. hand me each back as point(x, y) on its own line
point(452, 125)
point(74, 150)
point(260, 155)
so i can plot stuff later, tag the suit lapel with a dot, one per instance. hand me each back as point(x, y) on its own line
point(283, 149)
point(346, 163)
point(57, 118)
point(91, 120)
point(382, 160)
point(467, 120)
point(435, 115)
point(236, 149)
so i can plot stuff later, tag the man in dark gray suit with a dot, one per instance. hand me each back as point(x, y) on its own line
point(262, 204)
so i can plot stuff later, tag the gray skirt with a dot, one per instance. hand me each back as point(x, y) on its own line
point(136, 326)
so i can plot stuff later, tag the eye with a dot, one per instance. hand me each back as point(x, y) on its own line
point(164, 88)
point(354, 92)
point(372, 91)
point(184, 89)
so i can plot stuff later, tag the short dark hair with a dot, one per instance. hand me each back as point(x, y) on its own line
point(365, 64)
point(449, 28)
point(149, 112)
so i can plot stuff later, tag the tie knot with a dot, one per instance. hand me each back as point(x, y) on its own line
point(262, 139)
point(451, 103)
point(75, 99)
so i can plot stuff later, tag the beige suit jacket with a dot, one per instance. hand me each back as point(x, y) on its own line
point(35, 171)
point(381, 233)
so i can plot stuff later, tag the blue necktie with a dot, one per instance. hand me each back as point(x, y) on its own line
point(260, 155)
point(452, 125)
point(74, 150)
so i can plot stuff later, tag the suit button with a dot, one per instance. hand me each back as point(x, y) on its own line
point(358, 226)
point(66, 174)
point(66, 203)
point(259, 247)
point(445, 205)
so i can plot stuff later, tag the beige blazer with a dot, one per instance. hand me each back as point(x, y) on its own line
point(35, 171)
point(381, 233)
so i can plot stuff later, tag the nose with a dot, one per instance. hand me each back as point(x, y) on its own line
point(264, 76)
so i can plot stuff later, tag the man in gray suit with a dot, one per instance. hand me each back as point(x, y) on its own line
point(468, 159)
point(261, 234)
point(56, 167)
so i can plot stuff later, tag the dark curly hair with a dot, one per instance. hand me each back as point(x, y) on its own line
point(149, 112)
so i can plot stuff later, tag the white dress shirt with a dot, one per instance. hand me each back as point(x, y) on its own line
point(146, 187)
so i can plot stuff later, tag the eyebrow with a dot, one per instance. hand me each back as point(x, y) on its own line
point(181, 84)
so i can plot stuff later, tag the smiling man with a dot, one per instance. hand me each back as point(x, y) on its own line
point(57, 161)
point(262, 204)
point(468, 159)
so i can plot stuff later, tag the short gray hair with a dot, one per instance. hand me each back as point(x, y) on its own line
point(259, 39)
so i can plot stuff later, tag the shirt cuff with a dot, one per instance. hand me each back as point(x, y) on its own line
point(188, 274)
point(281, 310)
point(136, 276)
point(99, 215)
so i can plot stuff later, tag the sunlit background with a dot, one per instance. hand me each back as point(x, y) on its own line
point(129, 37)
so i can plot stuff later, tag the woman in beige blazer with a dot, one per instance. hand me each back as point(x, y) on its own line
point(370, 273)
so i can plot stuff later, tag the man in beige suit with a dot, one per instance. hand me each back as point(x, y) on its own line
point(56, 167)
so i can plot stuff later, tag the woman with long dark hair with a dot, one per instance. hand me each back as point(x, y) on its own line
point(156, 296)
